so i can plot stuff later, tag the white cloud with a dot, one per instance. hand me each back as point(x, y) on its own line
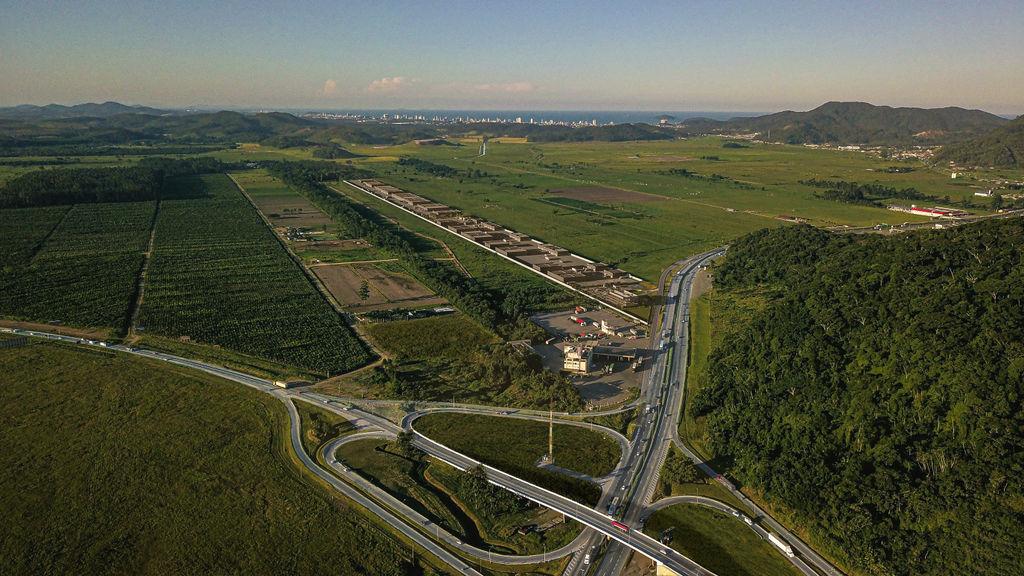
point(510, 87)
point(392, 84)
point(330, 87)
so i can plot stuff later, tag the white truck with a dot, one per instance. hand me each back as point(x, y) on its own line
point(781, 544)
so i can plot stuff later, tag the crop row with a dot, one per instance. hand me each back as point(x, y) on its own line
point(23, 230)
point(85, 272)
point(219, 276)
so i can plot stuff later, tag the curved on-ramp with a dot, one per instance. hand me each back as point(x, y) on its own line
point(439, 532)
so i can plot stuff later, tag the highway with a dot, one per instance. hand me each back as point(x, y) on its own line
point(631, 486)
point(440, 533)
point(662, 394)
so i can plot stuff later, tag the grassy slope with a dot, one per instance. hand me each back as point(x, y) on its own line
point(429, 487)
point(127, 466)
point(489, 440)
point(718, 542)
point(450, 336)
point(712, 316)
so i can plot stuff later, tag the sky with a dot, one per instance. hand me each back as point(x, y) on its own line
point(490, 54)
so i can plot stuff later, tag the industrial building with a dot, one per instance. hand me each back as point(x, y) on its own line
point(937, 212)
point(604, 283)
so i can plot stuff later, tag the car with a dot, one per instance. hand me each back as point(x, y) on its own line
point(666, 551)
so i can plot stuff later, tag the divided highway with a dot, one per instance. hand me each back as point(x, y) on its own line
point(627, 492)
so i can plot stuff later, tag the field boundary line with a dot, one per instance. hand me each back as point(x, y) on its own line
point(42, 241)
point(140, 283)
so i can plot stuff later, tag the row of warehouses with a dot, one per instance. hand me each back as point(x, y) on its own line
point(599, 280)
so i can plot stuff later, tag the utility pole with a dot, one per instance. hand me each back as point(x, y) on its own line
point(551, 432)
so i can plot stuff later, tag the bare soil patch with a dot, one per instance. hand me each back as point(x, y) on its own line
point(291, 210)
point(602, 195)
point(386, 288)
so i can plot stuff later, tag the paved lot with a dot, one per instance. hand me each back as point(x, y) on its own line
point(598, 389)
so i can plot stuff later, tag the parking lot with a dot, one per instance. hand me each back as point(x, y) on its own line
point(601, 387)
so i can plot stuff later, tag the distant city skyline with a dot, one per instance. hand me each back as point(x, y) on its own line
point(530, 56)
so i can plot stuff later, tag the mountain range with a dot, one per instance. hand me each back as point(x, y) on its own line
point(857, 123)
point(87, 110)
point(971, 136)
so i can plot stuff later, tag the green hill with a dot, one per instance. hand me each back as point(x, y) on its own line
point(858, 123)
point(1003, 148)
point(877, 396)
point(91, 110)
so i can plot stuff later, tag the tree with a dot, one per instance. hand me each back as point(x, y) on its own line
point(403, 444)
point(364, 290)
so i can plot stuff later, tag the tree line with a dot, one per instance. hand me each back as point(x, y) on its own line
point(865, 194)
point(142, 181)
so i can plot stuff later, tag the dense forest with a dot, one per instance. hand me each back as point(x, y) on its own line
point(143, 181)
point(878, 396)
point(1003, 147)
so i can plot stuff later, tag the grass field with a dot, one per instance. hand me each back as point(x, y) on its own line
point(283, 206)
point(452, 336)
point(718, 542)
point(219, 276)
point(385, 288)
point(648, 217)
point(118, 465)
point(320, 427)
point(487, 439)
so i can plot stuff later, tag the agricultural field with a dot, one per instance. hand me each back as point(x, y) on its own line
point(338, 251)
point(85, 270)
point(121, 465)
point(486, 439)
point(282, 206)
point(719, 542)
point(494, 274)
point(24, 231)
point(219, 276)
point(451, 336)
point(621, 202)
point(386, 289)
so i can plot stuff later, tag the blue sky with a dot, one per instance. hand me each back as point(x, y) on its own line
point(737, 56)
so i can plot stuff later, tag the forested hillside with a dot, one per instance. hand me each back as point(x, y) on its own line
point(859, 123)
point(1003, 147)
point(878, 396)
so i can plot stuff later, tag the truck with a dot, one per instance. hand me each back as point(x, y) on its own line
point(781, 545)
point(613, 506)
